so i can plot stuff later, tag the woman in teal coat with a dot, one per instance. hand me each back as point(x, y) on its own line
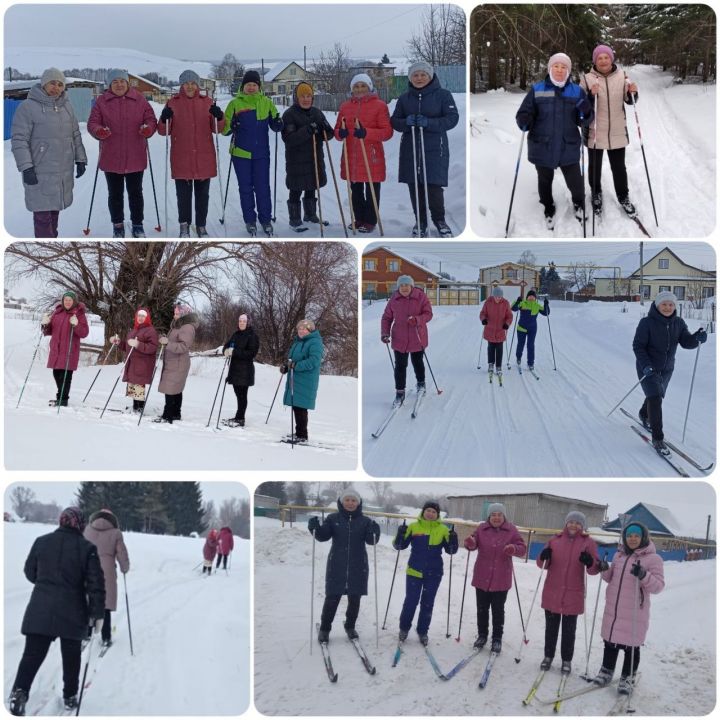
point(301, 386)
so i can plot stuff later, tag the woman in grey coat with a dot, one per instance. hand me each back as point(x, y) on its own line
point(176, 361)
point(46, 143)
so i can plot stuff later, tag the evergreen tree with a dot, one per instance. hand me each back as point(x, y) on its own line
point(276, 489)
point(385, 60)
point(156, 519)
point(122, 499)
point(183, 504)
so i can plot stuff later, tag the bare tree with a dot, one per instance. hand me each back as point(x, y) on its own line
point(227, 70)
point(235, 514)
point(440, 39)
point(696, 284)
point(581, 274)
point(21, 498)
point(332, 70)
point(527, 258)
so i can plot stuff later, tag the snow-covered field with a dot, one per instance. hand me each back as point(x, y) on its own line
point(191, 633)
point(185, 445)
point(554, 426)
point(678, 124)
point(395, 209)
point(677, 664)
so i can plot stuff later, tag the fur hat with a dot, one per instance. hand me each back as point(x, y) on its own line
point(72, 517)
point(250, 76)
point(362, 78)
point(600, 49)
point(52, 74)
point(496, 507)
point(665, 296)
point(117, 74)
point(578, 517)
point(189, 76)
point(421, 66)
point(405, 280)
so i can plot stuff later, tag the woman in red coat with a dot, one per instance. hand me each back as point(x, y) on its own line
point(209, 550)
point(191, 119)
point(226, 543)
point(496, 317)
point(364, 118)
point(142, 344)
point(66, 327)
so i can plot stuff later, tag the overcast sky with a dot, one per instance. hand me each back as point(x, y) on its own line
point(207, 32)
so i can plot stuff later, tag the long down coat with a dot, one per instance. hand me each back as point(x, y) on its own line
point(139, 365)
point(103, 532)
point(493, 567)
point(347, 564)
point(245, 344)
point(497, 313)
point(405, 337)
point(59, 330)
point(45, 135)
point(69, 587)
point(176, 358)
point(307, 354)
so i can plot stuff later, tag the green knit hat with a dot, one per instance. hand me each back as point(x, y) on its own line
point(70, 294)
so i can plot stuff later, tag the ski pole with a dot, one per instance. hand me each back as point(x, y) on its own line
point(593, 187)
point(692, 382)
point(274, 218)
point(625, 395)
point(552, 348)
point(152, 377)
point(517, 170)
point(273, 400)
point(117, 380)
point(335, 183)
point(317, 185)
point(642, 147)
point(377, 619)
point(417, 182)
point(427, 360)
point(347, 180)
point(97, 374)
point(592, 629)
point(517, 594)
point(32, 362)
point(582, 174)
point(312, 594)
point(217, 160)
point(292, 404)
point(370, 180)
point(67, 365)
point(152, 181)
point(532, 605)
point(212, 409)
point(425, 185)
point(392, 583)
point(387, 345)
point(587, 652)
point(127, 608)
point(512, 339)
point(479, 362)
point(168, 130)
point(197, 566)
point(85, 672)
point(447, 629)
point(462, 602)
point(628, 708)
point(86, 230)
point(227, 182)
point(222, 399)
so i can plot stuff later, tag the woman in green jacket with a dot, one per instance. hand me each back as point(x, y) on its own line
point(527, 324)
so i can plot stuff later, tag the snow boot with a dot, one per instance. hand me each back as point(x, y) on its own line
point(402, 635)
point(578, 212)
point(531, 368)
point(661, 448)
point(138, 231)
point(107, 643)
point(118, 230)
point(323, 636)
point(71, 703)
point(550, 217)
point(423, 638)
point(351, 633)
point(566, 667)
point(310, 210)
point(625, 685)
point(18, 700)
point(546, 663)
point(420, 387)
point(596, 201)
point(162, 419)
point(644, 420)
point(184, 230)
point(268, 228)
point(443, 228)
point(421, 233)
point(627, 206)
point(201, 231)
point(251, 229)
point(399, 398)
point(496, 646)
point(294, 214)
point(481, 641)
point(603, 677)
point(365, 228)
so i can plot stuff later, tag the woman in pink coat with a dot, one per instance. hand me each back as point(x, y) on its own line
point(123, 120)
point(567, 557)
point(209, 549)
point(496, 318)
point(404, 322)
point(192, 118)
point(225, 546)
point(635, 574)
point(496, 541)
point(66, 327)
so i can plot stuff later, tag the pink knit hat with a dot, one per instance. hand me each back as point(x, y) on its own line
point(600, 49)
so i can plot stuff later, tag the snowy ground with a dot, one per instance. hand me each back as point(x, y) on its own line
point(678, 659)
point(678, 129)
point(190, 634)
point(557, 426)
point(184, 445)
point(395, 210)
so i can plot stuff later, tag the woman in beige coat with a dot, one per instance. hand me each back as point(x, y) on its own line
point(609, 89)
point(176, 361)
point(103, 532)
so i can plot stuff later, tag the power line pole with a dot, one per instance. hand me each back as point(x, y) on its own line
point(642, 293)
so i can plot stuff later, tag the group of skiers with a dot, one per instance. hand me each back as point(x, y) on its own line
point(73, 571)
point(217, 543)
point(47, 144)
point(636, 572)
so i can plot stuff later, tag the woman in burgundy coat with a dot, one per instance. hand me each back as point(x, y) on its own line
point(142, 344)
point(225, 546)
point(209, 551)
point(496, 317)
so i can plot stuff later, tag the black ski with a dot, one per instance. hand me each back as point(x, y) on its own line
point(305, 443)
point(362, 655)
point(640, 225)
point(300, 228)
point(332, 675)
point(533, 373)
point(680, 471)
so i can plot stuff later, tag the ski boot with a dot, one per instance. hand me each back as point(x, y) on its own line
point(184, 230)
point(443, 229)
point(546, 663)
point(597, 203)
point(18, 700)
point(496, 646)
point(491, 372)
point(365, 228)
point(268, 229)
point(251, 229)
point(351, 633)
point(71, 703)
point(625, 685)
point(201, 231)
point(566, 667)
point(118, 230)
point(627, 206)
point(423, 638)
point(399, 398)
point(578, 212)
point(421, 233)
point(550, 218)
point(498, 372)
point(162, 419)
point(480, 643)
point(420, 388)
point(402, 635)
point(107, 643)
point(138, 231)
point(645, 422)
point(661, 448)
point(603, 677)
point(323, 636)
point(531, 368)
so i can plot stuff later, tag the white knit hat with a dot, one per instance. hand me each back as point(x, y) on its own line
point(363, 78)
point(665, 296)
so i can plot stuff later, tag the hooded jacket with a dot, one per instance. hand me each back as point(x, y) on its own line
point(210, 547)
point(529, 310)
point(226, 543)
point(427, 540)
point(103, 532)
point(176, 357)
point(493, 567)
point(245, 344)
point(251, 136)
point(60, 329)
point(307, 354)
point(399, 309)
point(497, 314)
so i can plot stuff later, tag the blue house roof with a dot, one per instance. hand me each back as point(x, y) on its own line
point(658, 520)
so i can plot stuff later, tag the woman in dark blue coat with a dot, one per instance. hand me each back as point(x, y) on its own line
point(241, 348)
point(427, 106)
point(347, 563)
point(551, 113)
point(656, 339)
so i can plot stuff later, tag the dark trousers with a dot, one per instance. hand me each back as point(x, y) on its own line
point(654, 388)
point(106, 632)
point(173, 405)
point(45, 223)
point(486, 601)
point(58, 376)
point(436, 200)
point(295, 195)
point(573, 179)
point(224, 558)
point(301, 422)
point(419, 590)
point(36, 649)
point(610, 657)
point(253, 176)
point(495, 353)
point(552, 629)
point(529, 335)
point(330, 607)
point(117, 183)
point(401, 363)
point(617, 166)
point(184, 192)
point(362, 202)
point(241, 393)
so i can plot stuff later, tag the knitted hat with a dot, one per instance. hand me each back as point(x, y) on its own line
point(405, 280)
point(362, 78)
point(531, 292)
point(71, 294)
point(247, 318)
point(496, 507)
point(350, 493)
point(421, 66)
point(497, 292)
point(578, 517)
point(72, 517)
point(633, 529)
point(600, 49)
point(636, 528)
point(304, 89)
point(665, 296)
point(431, 504)
point(117, 74)
point(562, 59)
point(251, 76)
point(189, 76)
point(52, 74)
point(183, 308)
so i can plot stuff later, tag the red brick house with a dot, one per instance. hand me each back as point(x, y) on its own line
point(381, 267)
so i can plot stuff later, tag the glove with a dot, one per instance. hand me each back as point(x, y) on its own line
point(524, 121)
point(421, 121)
point(647, 371)
point(638, 571)
point(133, 342)
point(700, 335)
point(359, 133)
point(470, 543)
point(79, 169)
point(29, 176)
point(276, 124)
point(73, 320)
point(216, 112)
point(374, 528)
point(313, 129)
point(283, 369)
point(586, 559)
point(412, 320)
point(291, 364)
point(452, 537)
point(505, 326)
point(385, 338)
point(603, 565)
point(228, 352)
point(146, 131)
point(45, 319)
point(410, 121)
point(509, 549)
point(115, 339)
point(546, 304)
point(166, 114)
point(163, 340)
point(343, 133)
point(314, 524)
point(235, 122)
point(583, 107)
point(400, 534)
point(103, 133)
point(484, 321)
point(546, 555)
